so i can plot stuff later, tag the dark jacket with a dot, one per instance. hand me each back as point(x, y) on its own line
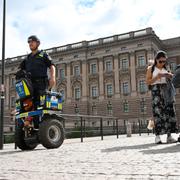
point(176, 77)
point(169, 92)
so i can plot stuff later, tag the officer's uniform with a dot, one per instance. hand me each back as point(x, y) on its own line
point(36, 65)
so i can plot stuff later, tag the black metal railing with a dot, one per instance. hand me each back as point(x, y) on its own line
point(81, 126)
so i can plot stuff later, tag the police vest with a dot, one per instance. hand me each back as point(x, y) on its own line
point(37, 64)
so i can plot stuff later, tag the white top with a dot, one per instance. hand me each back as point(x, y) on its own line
point(156, 71)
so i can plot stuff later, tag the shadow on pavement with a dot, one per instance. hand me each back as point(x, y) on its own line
point(170, 149)
point(140, 146)
point(18, 151)
point(145, 148)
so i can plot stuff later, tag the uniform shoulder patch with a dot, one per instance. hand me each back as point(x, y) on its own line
point(42, 53)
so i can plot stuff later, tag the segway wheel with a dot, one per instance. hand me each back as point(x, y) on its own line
point(51, 132)
point(19, 139)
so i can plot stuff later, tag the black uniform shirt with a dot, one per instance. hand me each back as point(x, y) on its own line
point(37, 64)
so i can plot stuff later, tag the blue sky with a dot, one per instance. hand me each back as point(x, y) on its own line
point(60, 22)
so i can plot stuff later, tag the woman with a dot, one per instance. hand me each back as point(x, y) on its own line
point(164, 114)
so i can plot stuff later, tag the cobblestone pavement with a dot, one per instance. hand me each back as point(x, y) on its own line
point(126, 158)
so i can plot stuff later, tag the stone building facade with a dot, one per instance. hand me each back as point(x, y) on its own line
point(105, 76)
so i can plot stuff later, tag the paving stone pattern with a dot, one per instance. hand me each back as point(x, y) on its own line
point(126, 158)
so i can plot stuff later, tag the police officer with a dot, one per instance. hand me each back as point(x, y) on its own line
point(37, 64)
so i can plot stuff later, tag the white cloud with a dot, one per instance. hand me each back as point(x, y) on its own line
point(59, 22)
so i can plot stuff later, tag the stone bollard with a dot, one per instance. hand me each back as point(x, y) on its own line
point(128, 129)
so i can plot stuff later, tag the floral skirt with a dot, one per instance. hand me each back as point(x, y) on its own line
point(164, 115)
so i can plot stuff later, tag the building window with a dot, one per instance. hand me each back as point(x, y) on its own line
point(109, 90)
point(13, 82)
point(125, 87)
point(108, 66)
point(76, 109)
point(107, 50)
point(123, 48)
point(142, 86)
point(93, 69)
point(124, 63)
point(61, 73)
point(76, 56)
point(92, 53)
point(141, 61)
point(77, 93)
point(13, 99)
point(76, 70)
point(139, 45)
point(93, 123)
point(125, 107)
point(94, 91)
point(142, 105)
point(109, 108)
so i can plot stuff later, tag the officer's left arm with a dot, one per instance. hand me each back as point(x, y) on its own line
point(51, 66)
point(52, 80)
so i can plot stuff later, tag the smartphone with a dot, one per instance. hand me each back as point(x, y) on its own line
point(165, 74)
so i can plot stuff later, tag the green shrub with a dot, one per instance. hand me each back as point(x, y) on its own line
point(8, 138)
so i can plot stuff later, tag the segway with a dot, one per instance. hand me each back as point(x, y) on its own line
point(40, 125)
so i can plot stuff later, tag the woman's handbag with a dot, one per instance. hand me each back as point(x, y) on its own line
point(150, 124)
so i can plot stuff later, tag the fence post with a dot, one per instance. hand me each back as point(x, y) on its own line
point(147, 128)
point(101, 128)
point(139, 122)
point(84, 127)
point(15, 145)
point(81, 129)
point(124, 126)
point(117, 129)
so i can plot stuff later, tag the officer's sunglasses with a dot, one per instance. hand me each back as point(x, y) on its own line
point(30, 41)
point(162, 62)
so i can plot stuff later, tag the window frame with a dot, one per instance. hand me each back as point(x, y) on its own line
point(111, 90)
point(124, 66)
point(61, 75)
point(77, 94)
point(125, 107)
point(77, 71)
point(91, 68)
point(125, 89)
point(94, 91)
point(140, 59)
point(109, 66)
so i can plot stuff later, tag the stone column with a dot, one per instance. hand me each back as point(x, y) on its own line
point(101, 79)
point(133, 74)
point(150, 55)
point(69, 88)
point(84, 81)
point(116, 76)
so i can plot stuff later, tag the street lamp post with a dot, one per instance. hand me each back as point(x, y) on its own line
point(2, 78)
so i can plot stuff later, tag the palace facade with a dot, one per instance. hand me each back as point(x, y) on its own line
point(105, 76)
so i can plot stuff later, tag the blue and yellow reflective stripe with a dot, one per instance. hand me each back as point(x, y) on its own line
point(59, 105)
point(26, 90)
point(48, 104)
